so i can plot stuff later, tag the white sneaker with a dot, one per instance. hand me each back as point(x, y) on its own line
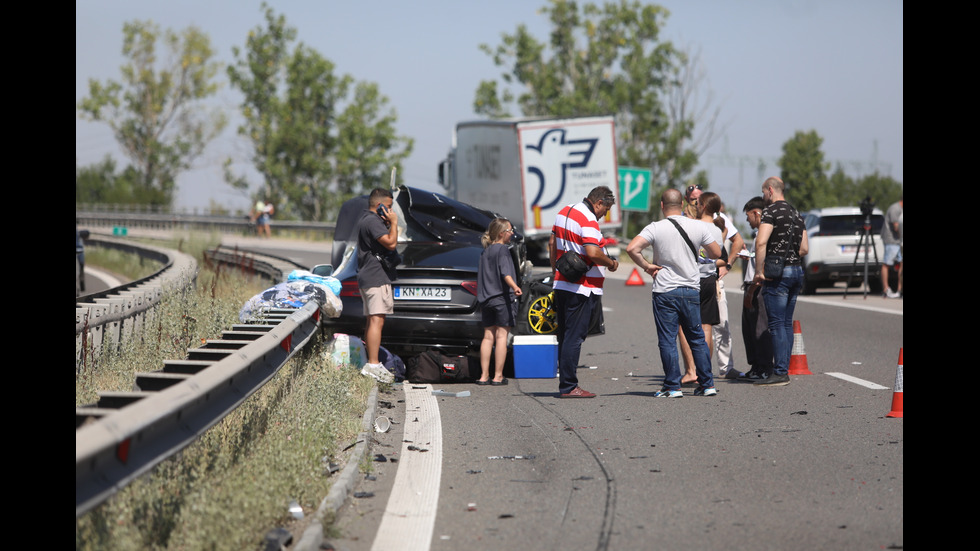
point(892, 294)
point(379, 372)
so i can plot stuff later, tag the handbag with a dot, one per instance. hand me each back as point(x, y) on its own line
point(571, 265)
point(389, 262)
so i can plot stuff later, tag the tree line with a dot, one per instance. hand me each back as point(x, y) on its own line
point(318, 138)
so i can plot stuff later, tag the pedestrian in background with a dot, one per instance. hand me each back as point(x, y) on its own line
point(755, 324)
point(782, 234)
point(496, 292)
point(576, 231)
point(891, 239)
point(676, 288)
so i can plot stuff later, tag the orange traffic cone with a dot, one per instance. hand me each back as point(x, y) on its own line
point(797, 358)
point(897, 408)
point(635, 278)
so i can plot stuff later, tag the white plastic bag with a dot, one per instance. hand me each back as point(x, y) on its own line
point(347, 350)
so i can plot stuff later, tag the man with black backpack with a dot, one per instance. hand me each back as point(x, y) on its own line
point(675, 241)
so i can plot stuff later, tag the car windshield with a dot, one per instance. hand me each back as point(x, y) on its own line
point(849, 224)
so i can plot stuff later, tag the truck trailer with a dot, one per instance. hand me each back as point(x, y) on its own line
point(528, 169)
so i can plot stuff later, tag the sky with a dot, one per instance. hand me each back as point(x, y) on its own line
point(770, 67)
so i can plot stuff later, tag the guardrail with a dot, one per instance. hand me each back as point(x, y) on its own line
point(125, 434)
point(109, 317)
point(194, 222)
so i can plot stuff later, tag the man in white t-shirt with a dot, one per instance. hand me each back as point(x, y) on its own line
point(676, 288)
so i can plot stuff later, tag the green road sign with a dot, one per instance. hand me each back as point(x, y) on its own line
point(634, 188)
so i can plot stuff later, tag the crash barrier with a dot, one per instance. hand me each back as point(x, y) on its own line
point(120, 221)
point(125, 434)
point(267, 266)
point(109, 317)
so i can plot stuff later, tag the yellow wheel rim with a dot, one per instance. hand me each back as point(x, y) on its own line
point(541, 315)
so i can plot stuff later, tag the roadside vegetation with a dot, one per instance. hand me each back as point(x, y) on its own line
point(235, 483)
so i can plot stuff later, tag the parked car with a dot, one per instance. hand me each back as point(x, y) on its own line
point(435, 293)
point(834, 235)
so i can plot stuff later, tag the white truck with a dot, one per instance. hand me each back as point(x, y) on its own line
point(527, 170)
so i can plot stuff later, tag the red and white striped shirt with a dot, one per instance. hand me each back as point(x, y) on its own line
point(575, 227)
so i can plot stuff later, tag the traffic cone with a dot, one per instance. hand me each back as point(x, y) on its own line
point(635, 278)
point(897, 408)
point(797, 358)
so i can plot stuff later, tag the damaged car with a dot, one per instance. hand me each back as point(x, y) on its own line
point(435, 292)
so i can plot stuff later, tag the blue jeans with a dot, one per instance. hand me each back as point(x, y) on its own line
point(573, 312)
point(779, 296)
point(681, 307)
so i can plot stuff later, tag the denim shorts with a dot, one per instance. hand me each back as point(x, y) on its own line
point(893, 254)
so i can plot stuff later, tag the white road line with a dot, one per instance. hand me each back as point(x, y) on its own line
point(855, 380)
point(410, 516)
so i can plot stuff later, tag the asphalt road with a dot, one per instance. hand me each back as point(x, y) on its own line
point(813, 465)
point(816, 464)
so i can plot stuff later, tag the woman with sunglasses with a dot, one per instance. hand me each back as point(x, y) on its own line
point(496, 292)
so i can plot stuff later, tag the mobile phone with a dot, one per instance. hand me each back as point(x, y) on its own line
point(382, 211)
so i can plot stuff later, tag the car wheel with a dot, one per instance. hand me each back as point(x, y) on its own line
point(541, 315)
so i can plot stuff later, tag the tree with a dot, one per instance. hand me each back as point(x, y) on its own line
point(155, 111)
point(606, 60)
point(804, 172)
point(808, 187)
point(314, 143)
point(99, 183)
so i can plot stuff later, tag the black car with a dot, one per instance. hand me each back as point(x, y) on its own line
point(435, 293)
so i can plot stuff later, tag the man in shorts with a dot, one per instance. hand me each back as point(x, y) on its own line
point(377, 233)
point(890, 238)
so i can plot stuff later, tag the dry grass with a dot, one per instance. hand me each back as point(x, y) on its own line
point(234, 484)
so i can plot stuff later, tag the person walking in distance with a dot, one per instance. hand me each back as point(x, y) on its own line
point(576, 231)
point(377, 233)
point(676, 288)
point(755, 324)
point(497, 292)
point(891, 240)
point(782, 235)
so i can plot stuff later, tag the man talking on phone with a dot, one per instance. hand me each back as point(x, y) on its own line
point(377, 233)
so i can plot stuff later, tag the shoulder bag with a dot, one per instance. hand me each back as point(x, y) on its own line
point(389, 262)
point(570, 264)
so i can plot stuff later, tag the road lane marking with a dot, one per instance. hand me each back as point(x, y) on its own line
point(855, 380)
point(410, 516)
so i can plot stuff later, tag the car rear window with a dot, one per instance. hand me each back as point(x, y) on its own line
point(467, 257)
point(847, 225)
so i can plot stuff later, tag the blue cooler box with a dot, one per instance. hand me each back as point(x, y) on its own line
point(535, 356)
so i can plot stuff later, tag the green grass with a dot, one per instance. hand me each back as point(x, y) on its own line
point(234, 484)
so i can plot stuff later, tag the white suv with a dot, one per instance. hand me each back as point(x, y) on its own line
point(834, 234)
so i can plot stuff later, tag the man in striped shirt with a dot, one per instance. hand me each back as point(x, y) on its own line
point(576, 230)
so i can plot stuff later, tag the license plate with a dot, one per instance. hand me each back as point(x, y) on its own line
point(403, 292)
point(852, 249)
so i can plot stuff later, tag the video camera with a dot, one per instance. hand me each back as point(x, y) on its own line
point(867, 206)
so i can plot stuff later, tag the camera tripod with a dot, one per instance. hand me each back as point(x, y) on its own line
point(866, 241)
